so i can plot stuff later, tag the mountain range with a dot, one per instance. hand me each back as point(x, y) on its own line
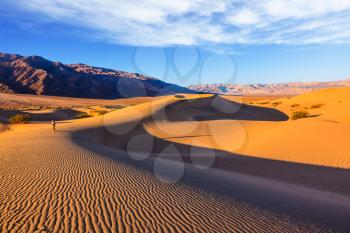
point(39, 76)
point(291, 88)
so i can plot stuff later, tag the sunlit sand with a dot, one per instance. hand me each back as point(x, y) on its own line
point(108, 173)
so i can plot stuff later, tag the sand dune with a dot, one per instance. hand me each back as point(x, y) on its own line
point(265, 130)
point(86, 178)
point(22, 100)
point(2, 127)
point(320, 139)
point(53, 185)
point(192, 134)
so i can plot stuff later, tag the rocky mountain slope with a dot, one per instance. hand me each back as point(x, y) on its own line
point(39, 76)
point(292, 88)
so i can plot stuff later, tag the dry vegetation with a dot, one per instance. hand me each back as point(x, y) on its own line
point(19, 119)
point(316, 106)
point(276, 103)
point(99, 112)
point(82, 115)
point(300, 114)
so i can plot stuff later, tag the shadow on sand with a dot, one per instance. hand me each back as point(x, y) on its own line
point(219, 108)
point(38, 116)
point(303, 192)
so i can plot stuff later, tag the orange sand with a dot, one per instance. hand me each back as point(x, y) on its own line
point(82, 178)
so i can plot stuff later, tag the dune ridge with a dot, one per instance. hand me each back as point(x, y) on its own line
point(83, 179)
point(329, 179)
point(50, 184)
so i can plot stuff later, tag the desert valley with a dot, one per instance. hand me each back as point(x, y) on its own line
point(159, 116)
point(165, 158)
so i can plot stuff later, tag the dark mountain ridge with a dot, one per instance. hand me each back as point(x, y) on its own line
point(39, 76)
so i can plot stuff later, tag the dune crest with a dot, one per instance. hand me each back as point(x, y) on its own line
point(90, 176)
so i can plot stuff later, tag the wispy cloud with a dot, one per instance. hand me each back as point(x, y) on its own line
point(200, 22)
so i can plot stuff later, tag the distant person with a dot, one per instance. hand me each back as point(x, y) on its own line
point(53, 123)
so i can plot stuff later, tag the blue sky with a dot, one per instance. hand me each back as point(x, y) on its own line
point(187, 42)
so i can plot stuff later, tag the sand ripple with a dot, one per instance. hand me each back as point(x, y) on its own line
point(50, 184)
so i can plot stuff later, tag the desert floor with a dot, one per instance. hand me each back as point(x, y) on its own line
point(194, 163)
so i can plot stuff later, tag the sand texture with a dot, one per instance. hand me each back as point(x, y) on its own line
point(149, 168)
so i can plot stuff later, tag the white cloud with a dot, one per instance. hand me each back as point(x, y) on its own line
point(243, 17)
point(201, 22)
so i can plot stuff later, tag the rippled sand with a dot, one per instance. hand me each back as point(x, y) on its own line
point(69, 181)
point(50, 184)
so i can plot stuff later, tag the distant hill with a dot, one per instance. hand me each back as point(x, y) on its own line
point(292, 88)
point(39, 76)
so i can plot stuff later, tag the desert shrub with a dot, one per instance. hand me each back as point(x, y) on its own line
point(300, 114)
point(82, 115)
point(102, 112)
point(295, 105)
point(266, 102)
point(179, 96)
point(19, 119)
point(99, 112)
point(276, 103)
point(316, 106)
point(114, 106)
